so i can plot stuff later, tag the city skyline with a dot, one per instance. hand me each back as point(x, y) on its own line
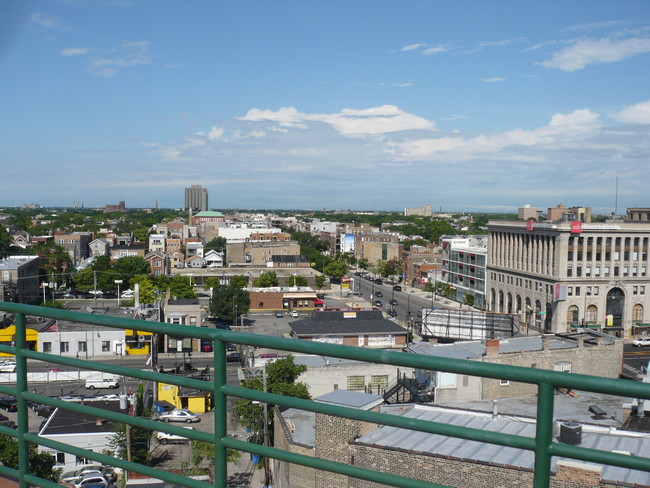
point(465, 106)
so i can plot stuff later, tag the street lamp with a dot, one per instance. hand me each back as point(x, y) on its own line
point(118, 283)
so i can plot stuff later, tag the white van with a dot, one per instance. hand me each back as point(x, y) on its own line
point(105, 383)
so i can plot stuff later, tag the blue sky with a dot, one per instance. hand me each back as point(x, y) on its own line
point(465, 105)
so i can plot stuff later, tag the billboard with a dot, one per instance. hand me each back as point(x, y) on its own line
point(347, 243)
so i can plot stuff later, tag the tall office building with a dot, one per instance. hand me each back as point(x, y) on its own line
point(196, 198)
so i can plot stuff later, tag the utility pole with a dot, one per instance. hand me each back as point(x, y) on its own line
point(95, 287)
point(267, 471)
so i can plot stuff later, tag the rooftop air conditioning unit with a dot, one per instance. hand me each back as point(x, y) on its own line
point(571, 433)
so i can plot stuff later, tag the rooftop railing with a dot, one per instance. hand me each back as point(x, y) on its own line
point(542, 445)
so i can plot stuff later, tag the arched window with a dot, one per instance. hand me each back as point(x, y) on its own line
point(572, 314)
point(509, 306)
point(592, 313)
point(637, 313)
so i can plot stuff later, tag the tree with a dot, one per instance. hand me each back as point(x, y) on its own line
point(180, 287)
point(227, 301)
point(5, 241)
point(320, 281)
point(337, 269)
point(392, 267)
point(53, 257)
point(84, 280)
point(364, 264)
point(131, 266)
point(203, 455)
point(140, 437)
point(218, 244)
point(296, 281)
point(281, 380)
point(266, 280)
point(240, 281)
point(211, 282)
point(53, 304)
point(40, 464)
point(147, 289)
point(469, 299)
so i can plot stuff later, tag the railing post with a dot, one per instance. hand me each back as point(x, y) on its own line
point(220, 416)
point(544, 435)
point(21, 403)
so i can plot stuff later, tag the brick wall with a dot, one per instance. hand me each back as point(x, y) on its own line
point(288, 475)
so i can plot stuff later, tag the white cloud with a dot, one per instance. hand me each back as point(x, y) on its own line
point(585, 52)
point(561, 126)
point(412, 47)
point(215, 133)
point(348, 122)
point(435, 50)
point(75, 51)
point(635, 114)
point(46, 21)
point(125, 55)
point(401, 85)
point(494, 79)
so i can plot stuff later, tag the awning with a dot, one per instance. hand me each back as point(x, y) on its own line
point(299, 295)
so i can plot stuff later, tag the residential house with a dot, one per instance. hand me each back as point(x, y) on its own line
point(76, 243)
point(214, 259)
point(185, 311)
point(120, 251)
point(99, 247)
point(352, 327)
point(159, 263)
point(157, 243)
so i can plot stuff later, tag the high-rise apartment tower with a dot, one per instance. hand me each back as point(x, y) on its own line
point(196, 198)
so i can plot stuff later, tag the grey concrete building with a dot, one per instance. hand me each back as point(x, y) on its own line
point(196, 198)
point(19, 279)
point(562, 275)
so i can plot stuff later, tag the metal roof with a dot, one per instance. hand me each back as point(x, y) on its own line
point(348, 398)
point(595, 438)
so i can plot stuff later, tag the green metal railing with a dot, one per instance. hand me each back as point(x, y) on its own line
point(542, 445)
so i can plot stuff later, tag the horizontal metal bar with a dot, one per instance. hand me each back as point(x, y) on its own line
point(383, 418)
point(120, 463)
point(603, 457)
point(332, 466)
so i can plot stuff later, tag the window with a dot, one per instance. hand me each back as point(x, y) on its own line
point(592, 313)
point(597, 271)
point(106, 346)
point(47, 347)
point(569, 291)
point(81, 346)
point(59, 456)
point(356, 382)
point(65, 346)
point(635, 290)
point(465, 381)
point(380, 381)
point(192, 320)
point(606, 270)
point(637, 313)
point(564, 367)
point(577, 291)
point(572, 314)
point(589, 291)
point(82, 461)
point(596, 288)
point(579, 271)
point(504, 382)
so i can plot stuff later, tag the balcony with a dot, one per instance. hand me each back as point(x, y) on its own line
point(542, 445)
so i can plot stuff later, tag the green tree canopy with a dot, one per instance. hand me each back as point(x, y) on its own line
point(131, 266)
point(336, 269)
point(40, 464)
point(147, 289)
point(227, 301)
point(320, 281)
point(5, 241)
point(392, 267)
point(181, 287)
point(53, 257)
point(281, 380)
point(266, 280)
point(239, 281)
point(218, 244)
point(296, 281)
point(364, 264)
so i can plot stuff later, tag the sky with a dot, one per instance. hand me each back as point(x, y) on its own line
point(370, 105)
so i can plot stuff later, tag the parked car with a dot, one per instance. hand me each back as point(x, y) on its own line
point(104, 383)
point(397, 288)
point(43, 410)
point(393, 302)
point(379, 281)
point(270, 355)
point(320, 296)
point(10, 404)
point(231, 347)
point(378, 293)
point(392, 312)
point(641, 342)
point(165, 438)
point(8, 367)
point(92, 469)
point(206, 346)
point(91, 480)
point(232, 357)
point(294, 313)
point(219, 325)
point(378, 303)
point(180, 415)
point(279, 314)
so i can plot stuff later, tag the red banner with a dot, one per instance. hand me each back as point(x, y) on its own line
point(576, 227)
point(530, 225)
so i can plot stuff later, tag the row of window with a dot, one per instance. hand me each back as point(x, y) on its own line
point(82, 346)
point(616, 271)
point(595, 290)
point(358, 383)
point(521, 282)
point(591, 315)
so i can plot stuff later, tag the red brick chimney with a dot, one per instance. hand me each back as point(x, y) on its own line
point(492, 348)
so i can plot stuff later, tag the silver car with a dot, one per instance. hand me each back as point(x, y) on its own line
point(180, 415)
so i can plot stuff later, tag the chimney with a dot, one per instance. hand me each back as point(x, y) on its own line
point(492, 348)
point(581, 341)
point(545, 340)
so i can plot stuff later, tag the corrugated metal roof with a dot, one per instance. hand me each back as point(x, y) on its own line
point(348, 398)
point(478, 451)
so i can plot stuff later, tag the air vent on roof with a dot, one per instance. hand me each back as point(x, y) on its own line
point(571, 433)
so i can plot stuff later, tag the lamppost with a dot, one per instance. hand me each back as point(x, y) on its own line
point(118, 283)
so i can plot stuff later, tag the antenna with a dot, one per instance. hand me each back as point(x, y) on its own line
point(616, 201)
